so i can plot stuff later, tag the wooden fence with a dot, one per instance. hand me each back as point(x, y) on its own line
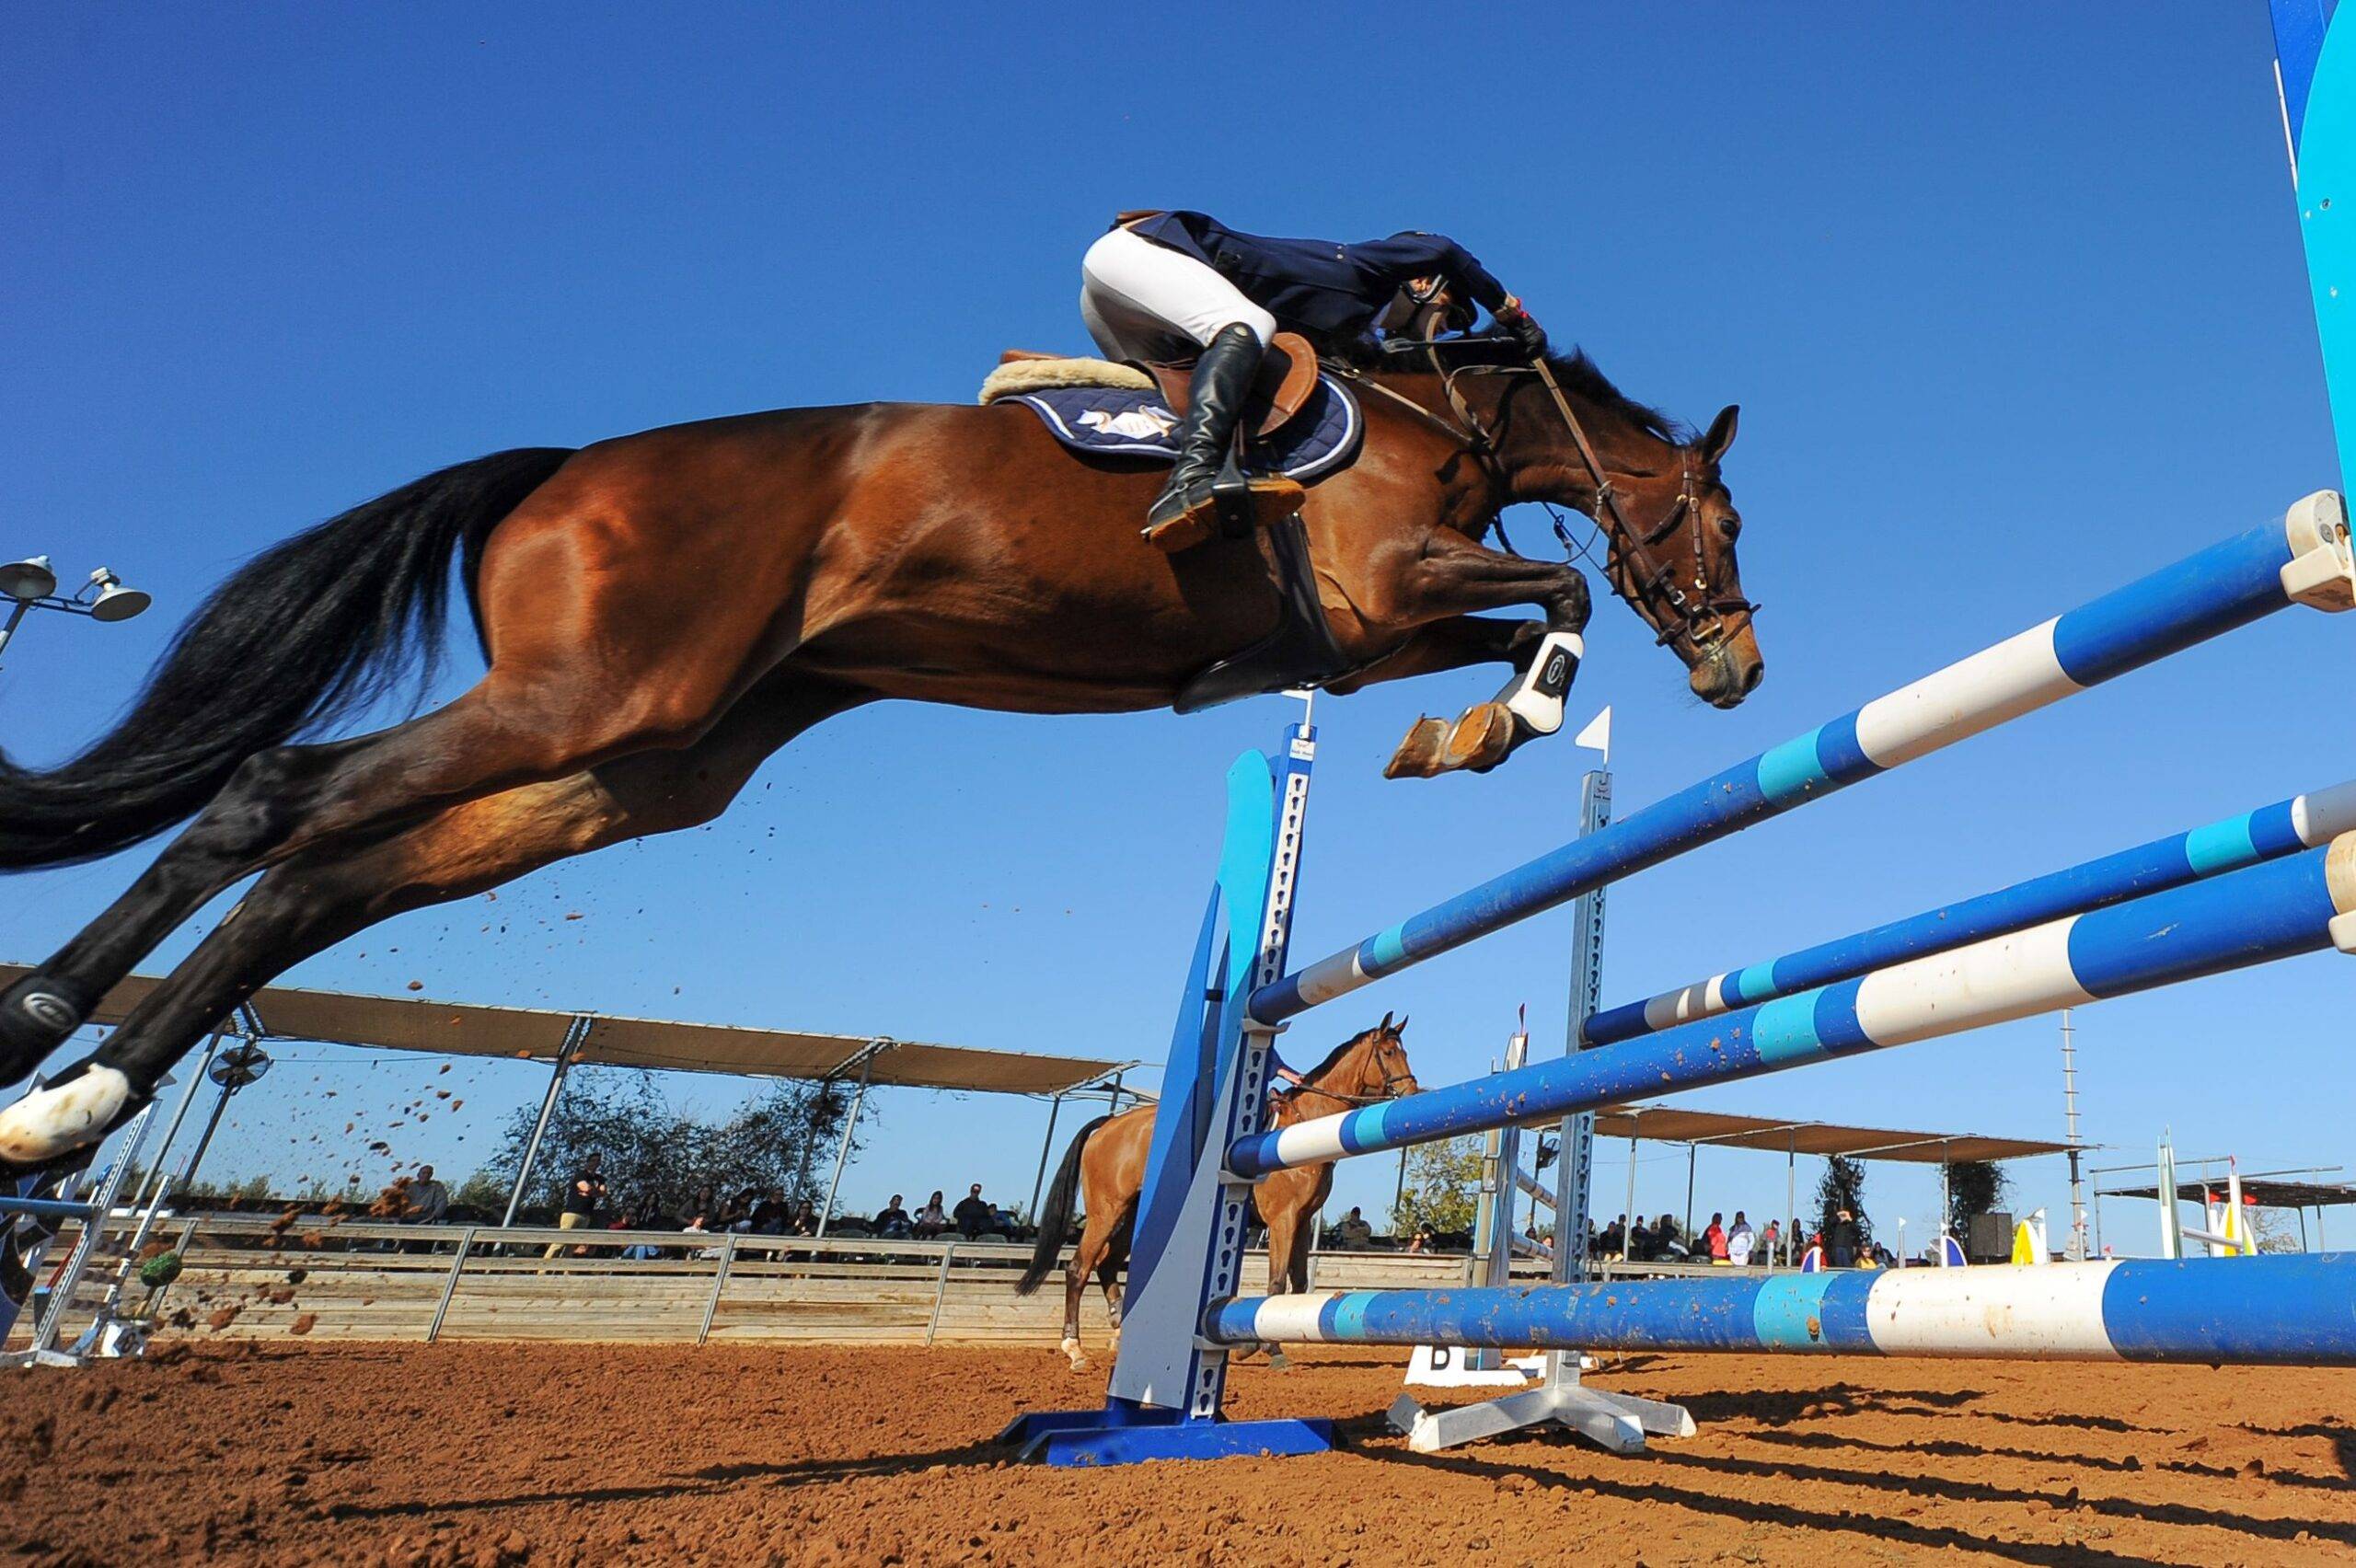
point(250, 1276)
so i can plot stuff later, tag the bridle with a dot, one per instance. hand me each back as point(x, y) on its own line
point(1391, 1082)
point(1690, 612)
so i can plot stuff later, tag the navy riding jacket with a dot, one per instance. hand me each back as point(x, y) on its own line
point(1316, 285)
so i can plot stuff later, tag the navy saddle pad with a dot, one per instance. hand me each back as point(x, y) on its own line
point(1122, 422)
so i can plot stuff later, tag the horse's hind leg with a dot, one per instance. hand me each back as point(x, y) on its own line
point(311, 902)
point(579, 674)
point(1108, 1270)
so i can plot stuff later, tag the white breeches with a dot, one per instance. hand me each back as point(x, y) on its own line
point(1143, 301)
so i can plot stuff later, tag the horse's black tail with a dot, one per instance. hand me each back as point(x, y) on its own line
point(308, 631)
point(1053, 1219)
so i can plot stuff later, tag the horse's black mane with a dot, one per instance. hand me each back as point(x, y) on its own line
point(1336, 1054)
point(1577, 374)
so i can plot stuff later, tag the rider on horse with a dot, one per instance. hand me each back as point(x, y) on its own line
point(1160, 286)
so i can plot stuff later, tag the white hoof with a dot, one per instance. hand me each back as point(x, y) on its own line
point(1070, 1348)
point(50, 1122)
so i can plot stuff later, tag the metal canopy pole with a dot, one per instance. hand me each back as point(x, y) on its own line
point(866, 1060)
point(576, 1034)
point(151, 1185)
point(1692, 1153)
point(1046, 1146)
point(252, 1034)
point(1790, 1197)
point(1628, 1219)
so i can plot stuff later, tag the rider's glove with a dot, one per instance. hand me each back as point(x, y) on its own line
point(1523, 328)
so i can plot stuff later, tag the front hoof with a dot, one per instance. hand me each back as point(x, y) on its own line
point(1278, 1361)
point(1482, 737)
point(1419, 754)
point(36, 1016)
point(57, 1119)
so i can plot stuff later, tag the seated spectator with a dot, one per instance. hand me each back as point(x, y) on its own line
point(429, 1200)
point(1354, 1233)
point(805, 1219)
point(771, 1215)
point(1771, 1243)
point(931, 1219)
point(974, 1216)
point(1641, 1245)
point(700, 1225)
point(1422, 1240)
point(892, 1220)
point(1739, 1241)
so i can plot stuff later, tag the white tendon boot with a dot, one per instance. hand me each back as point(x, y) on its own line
point(50, 1122)
point(1535, 697)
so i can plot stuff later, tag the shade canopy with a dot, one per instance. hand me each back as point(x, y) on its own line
point(1671, 1123)
point(538, 1034)
point(2258, 1191)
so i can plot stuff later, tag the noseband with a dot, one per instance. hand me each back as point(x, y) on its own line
point(1690, 613)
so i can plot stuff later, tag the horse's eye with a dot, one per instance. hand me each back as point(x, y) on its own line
point(1730, 528)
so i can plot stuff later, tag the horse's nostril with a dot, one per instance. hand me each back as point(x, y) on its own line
point(1751, 675)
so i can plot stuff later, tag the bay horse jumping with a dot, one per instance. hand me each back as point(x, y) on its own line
point(941, 553)
point(1105, 1171)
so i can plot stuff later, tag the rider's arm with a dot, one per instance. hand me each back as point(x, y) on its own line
point(1277, 1069)
point(1416, 255)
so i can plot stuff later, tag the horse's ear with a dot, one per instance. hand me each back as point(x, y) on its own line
point(1399, 1028)
point(1384, 1027)
point(1720, 435)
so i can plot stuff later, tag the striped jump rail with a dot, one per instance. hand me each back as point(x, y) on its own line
point(2303, 903)
point(2301, 557)
point(2298, 1310)
point(2303, 822)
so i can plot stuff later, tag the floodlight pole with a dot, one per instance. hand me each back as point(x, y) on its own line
point(2077, 1247)
point(866, 1060)
point(576, 1034)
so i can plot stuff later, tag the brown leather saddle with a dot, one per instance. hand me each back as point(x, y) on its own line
point(1300, 649)
point(1288, 376)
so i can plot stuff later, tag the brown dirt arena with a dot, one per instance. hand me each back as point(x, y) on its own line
point(496, 1453)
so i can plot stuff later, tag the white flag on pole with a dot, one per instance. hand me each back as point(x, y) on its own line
point(1597, 736)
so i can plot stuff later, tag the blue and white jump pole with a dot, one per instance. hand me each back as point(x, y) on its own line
point(2301, 904)
point(2299, 1310)
point(2302, 559)
point(2303, 822)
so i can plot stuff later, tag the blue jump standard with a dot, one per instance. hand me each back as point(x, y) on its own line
point(2227, 585)
point(1125, 1432)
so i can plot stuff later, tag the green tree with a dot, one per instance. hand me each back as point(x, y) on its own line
point(1974, 1186)
point(483, 1192)
point(657, 1158)
point(1443, 1188)
point(1844, 1187)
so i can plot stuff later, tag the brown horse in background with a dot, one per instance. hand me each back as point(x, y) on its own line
point(664, 611)
point(1104, 1169)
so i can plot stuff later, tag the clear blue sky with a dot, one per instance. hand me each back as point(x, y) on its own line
point(2011, 298)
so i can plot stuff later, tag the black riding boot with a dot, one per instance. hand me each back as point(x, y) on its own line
point(1186, 511)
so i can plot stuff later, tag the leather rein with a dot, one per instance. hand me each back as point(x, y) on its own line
point(1692, 613)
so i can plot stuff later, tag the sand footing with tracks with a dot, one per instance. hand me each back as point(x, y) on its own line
point(498, 1454)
